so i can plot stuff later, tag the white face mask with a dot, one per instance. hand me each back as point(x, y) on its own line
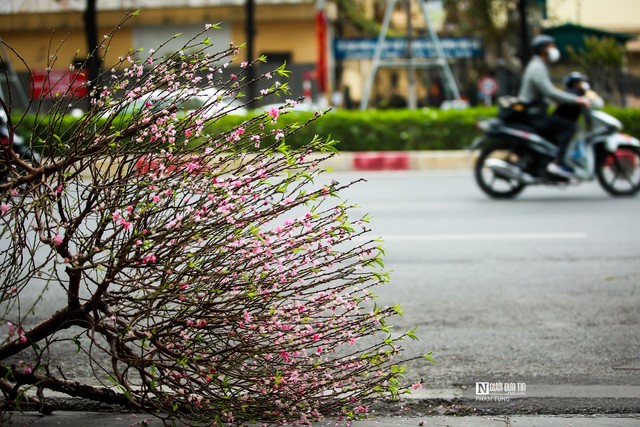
point(553, 54)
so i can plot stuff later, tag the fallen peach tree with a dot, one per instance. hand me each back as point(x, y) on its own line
point(197, 280)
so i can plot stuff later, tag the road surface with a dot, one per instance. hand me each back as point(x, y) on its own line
point(542, 290)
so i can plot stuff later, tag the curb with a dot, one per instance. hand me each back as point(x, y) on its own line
point(365, 161)
point(400, 160)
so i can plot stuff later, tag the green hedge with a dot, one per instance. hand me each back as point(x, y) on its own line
point(630, 118)
point(388, 130)
point(379, 130)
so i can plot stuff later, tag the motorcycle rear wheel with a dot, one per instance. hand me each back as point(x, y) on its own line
point(619, 172)
point(492, 183)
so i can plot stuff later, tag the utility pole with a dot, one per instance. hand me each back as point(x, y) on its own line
point(250, 35)
point(525, 52)
point(93, 62)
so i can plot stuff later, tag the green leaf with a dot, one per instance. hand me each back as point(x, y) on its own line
point(283, 148)
point(76, 340)
point(398, 370)
point(282, 70)
point(412, 334)
point(255, 230)
point(282, 188)
point(398, 309)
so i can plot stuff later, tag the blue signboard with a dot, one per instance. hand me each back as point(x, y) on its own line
point(364, 48)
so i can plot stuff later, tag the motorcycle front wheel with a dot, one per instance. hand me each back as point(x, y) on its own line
point(619, 172)
point(494, 183)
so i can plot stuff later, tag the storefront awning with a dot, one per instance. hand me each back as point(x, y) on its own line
point(573, 35)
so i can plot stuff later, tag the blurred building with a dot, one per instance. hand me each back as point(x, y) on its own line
point(615, 16)
point(328, 44)
point(570, 21)
point(284, 30)
point(300, 32)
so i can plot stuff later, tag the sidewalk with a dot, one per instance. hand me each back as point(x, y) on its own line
point(539, 399)
point(94, 419)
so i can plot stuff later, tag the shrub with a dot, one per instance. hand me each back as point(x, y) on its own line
point(629, 117)
point(200, 282)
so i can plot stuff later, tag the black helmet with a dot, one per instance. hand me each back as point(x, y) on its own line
point(541, 41)
point(572, 78)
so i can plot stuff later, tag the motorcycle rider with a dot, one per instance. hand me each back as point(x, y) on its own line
point(535, 92)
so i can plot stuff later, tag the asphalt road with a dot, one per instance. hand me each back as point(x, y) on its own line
point(542, 290)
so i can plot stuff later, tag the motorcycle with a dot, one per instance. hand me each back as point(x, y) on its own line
point(512, 157)
point(20, 146)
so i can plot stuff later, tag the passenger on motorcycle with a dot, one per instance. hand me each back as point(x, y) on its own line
point(577, 84)
point(536, 91)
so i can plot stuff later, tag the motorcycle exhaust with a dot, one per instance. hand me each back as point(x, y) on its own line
point(509, 171)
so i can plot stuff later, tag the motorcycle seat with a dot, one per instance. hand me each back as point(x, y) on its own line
point(520, 126)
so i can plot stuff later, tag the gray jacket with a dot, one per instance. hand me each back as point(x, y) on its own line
point(537, 89)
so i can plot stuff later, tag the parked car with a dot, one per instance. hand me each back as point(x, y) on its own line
point(208, 101)
point(211, 103)
point(300, 106)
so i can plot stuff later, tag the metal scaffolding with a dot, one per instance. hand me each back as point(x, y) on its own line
point(409, 62)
